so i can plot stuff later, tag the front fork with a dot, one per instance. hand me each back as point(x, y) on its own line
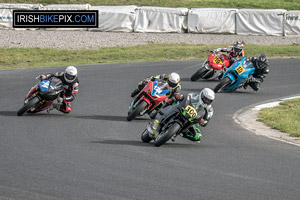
point(42, 101)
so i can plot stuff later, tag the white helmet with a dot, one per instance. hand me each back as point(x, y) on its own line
point(70, 74)
point(173, 79)
point(207, 96)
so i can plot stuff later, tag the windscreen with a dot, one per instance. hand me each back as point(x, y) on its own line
point(56, 84)
point(162, 84)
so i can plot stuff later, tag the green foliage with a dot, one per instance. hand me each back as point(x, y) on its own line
point(266, 4)
point(285, 117)
point(39, 57)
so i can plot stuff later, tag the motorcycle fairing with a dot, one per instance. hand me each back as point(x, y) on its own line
point(238, 73)
point(158, 89)
point(44, 85)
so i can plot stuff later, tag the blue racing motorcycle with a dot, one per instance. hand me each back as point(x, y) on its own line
point(235, 76)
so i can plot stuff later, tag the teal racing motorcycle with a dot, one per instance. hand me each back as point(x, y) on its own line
point(235, 76)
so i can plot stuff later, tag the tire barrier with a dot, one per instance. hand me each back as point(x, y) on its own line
point(278, 22)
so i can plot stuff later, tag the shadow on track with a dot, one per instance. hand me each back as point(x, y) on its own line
point(168, 145)
point(110, 118)
point(185, 80)
point(194, 90)
point(199, 81)
point(239, 91)
point(122, 142)
point(8, 113)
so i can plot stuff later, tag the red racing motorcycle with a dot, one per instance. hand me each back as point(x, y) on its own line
point(213, 67)
point(153, 94)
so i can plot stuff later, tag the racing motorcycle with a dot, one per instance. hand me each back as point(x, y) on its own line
point(173, 120)
point(42, 95)
point(153, 94)
point(214, 67)
point(236, 76)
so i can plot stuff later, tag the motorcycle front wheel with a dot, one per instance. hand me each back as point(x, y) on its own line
point(167, 134)
point(145, 136)
point(198, 74)
point(28, 106)
point(139, 108)
point(223, 84)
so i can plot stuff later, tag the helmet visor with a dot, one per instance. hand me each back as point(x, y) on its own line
point(172, 85)
point(206, 100)
point(237, 49)
point(70, 77)
point(261, 64)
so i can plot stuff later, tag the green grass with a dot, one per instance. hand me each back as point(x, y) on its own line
point(285, 117)
point(266, 4)
point(40, 57)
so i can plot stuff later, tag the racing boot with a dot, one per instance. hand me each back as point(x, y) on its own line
point(193, 137)
point(193, 134)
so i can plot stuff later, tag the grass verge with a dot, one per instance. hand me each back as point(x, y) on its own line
point(265, 4)
point(42, 57)
point(285, 117)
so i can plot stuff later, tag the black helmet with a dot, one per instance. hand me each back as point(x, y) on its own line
point(262, 61)
point(238, 47)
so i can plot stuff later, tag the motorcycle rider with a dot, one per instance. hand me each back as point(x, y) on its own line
point(261, 64)
point(205, 97)
point(70, 81)
point(234, 52)
point(174, 86)
point(172, 79)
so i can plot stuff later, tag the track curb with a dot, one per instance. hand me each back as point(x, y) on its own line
point(247, 118)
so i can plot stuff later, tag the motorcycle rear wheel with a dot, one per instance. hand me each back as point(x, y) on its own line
point(28, 106)
point(167, 134)
point(223, 84)
point(139, 108)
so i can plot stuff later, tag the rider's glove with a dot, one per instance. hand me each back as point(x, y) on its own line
point(41, 77)
point(178, 97)
point(232, 60)
point(146, 80)
point(170, 101)
point(202, 121)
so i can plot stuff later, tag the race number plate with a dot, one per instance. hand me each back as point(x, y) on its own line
point(240, 69)
point(217, 60)
point(191, 111)
point(155, 125)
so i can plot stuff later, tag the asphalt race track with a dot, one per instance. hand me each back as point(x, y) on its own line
point(94, 153)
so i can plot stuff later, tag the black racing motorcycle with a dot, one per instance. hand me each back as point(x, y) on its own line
point(173, 120)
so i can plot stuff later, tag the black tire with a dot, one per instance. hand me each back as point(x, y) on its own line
point(198, 74)
point(28, 106)
point(167, 135)
point(224, 83)
point(145, 136)
point(139, 108)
